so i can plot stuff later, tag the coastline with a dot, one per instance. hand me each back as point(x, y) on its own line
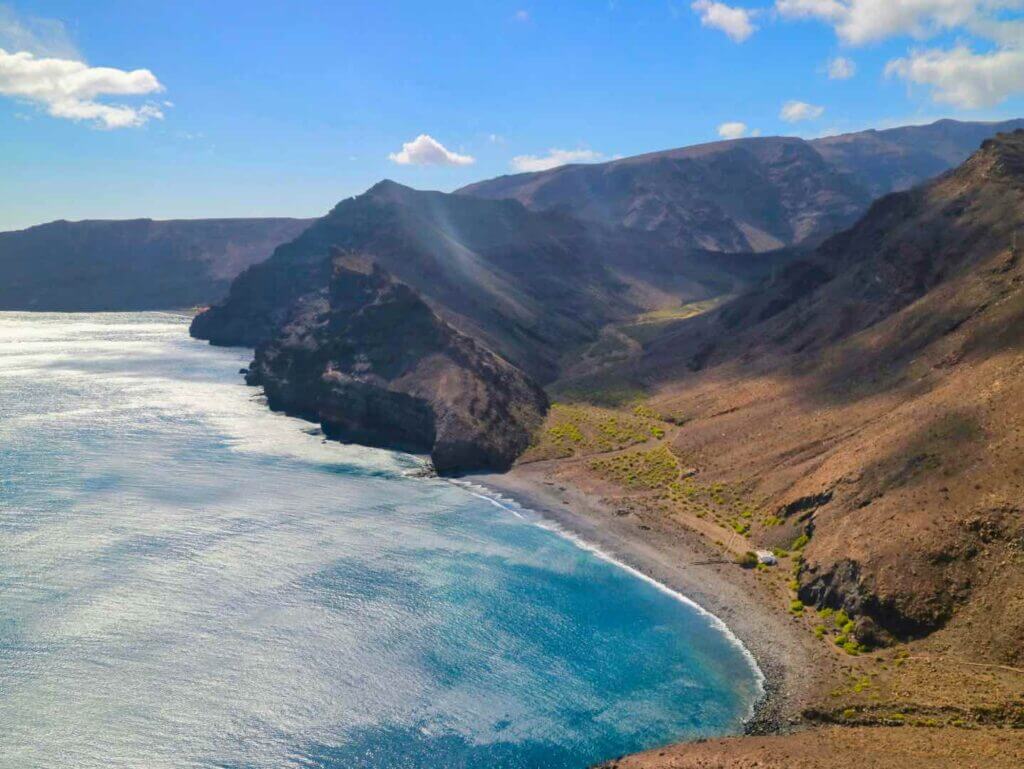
point(685, 563)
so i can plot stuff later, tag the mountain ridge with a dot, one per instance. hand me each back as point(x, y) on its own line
point(134, 264)
point(781, 191)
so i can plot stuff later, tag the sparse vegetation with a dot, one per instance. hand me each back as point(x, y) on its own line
point(652, 469)
point(574, 430)
point(747, 560)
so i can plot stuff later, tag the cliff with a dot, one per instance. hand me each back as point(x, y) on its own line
point(368, 359)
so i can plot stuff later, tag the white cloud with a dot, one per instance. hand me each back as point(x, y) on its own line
point(961, 77)
point(425, 150)
point(841, 68)
point(865, 21)
point(554, 158)
point(69, 89)
point(794, 111)
point(735, 22)
point(732, 130)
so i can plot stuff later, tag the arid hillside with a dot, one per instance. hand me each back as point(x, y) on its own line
point(752, 194)
point(859, 415)
point(868, 401)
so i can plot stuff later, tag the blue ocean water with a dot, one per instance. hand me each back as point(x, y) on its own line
point(188, 580)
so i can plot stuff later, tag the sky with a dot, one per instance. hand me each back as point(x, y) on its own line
point(139, 108)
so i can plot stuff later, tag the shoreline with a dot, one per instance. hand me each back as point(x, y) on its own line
point(682, 562)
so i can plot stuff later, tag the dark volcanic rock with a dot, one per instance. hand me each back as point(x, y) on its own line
point(373, 363)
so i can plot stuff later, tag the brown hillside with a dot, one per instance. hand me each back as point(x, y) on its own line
point(871, 399)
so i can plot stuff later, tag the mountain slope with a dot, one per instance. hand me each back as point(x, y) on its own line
point(752, 194)
point(132, 265)
point(528, 285)
point(896, 159)
point(869, 396)
point(749, 194)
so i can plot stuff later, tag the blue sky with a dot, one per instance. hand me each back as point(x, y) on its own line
point(283, 108)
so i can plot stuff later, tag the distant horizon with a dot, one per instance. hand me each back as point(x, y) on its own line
point(314, 216)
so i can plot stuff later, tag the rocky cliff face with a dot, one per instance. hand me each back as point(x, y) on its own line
point(753, 194)
point(528, 285)
point(368, 359)
point(132, 265)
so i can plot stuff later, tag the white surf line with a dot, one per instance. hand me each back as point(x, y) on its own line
point(538, 519)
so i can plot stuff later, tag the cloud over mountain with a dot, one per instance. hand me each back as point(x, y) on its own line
point(794, 111)
point(554, 158)
point(425, 150)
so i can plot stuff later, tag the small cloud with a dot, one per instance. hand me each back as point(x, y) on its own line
point(495, 138)
point(522, 15)
point(425, 150)
point(734, 22)
point(732, 130)
point(70, 89)
point(841, 68)
point(554, 158)
point(794, 111)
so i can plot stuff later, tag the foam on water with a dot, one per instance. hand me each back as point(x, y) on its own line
point(189, 580)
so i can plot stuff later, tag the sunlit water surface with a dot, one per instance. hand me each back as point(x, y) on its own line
point(188, 580)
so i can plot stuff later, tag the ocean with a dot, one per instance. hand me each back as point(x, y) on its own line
point(190, 580)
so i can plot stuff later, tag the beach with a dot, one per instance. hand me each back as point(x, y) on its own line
point(793, 663)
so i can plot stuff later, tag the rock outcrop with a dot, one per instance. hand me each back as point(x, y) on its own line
point(374, 364)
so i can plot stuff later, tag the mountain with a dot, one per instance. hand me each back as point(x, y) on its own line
point(896, 159)
point(132, 265)
point(753, 194)
point(869, 395)
point(531, 286)
point(370, 361)
point(748, 194)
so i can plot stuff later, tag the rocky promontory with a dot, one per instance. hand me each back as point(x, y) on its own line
point(374, 364)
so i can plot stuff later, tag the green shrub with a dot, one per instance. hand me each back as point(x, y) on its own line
point(748, 560)
point(796, 606)
point(800, 542)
